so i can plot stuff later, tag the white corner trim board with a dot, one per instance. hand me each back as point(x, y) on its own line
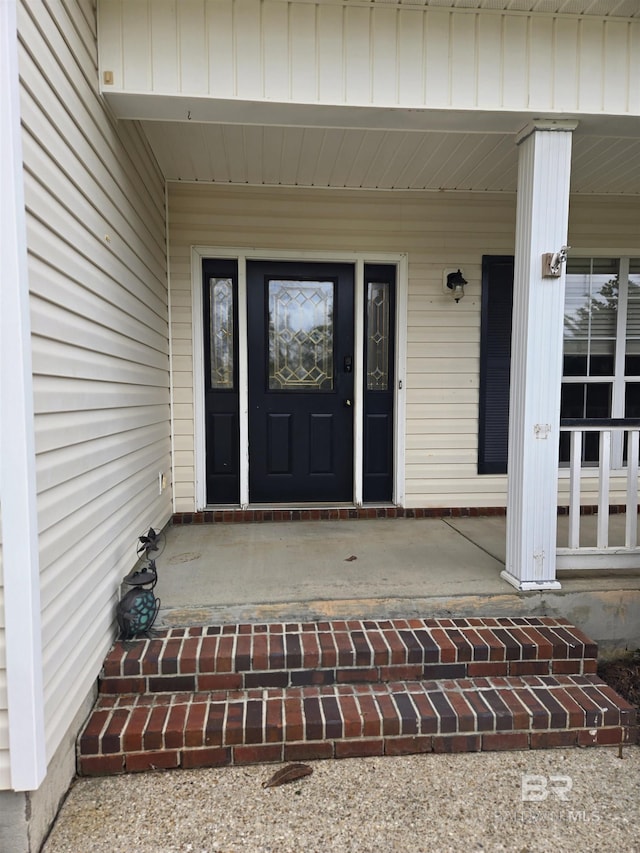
point(17, 449)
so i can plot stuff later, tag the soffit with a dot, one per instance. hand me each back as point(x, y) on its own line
point(376, 158)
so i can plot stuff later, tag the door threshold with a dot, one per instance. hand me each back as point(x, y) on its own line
point(290, 507)
point(304, 505)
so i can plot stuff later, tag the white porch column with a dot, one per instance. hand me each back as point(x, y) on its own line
point(536, 356)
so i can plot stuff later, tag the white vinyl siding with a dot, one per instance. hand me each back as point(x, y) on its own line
point(97, 273)
point(438, 231)
point(321, 53)
point(443, 338)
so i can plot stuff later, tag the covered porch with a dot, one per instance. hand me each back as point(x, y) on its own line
point(379, 569)
point(405, 144)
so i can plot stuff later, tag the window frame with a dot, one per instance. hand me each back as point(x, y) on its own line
point(618, 380)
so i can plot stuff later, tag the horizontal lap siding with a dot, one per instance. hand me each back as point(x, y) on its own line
point(437, 231)
point(99, 315)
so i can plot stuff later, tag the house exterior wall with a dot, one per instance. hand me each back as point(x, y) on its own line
point(98, 295)
point(438, 231)
point(321, 53)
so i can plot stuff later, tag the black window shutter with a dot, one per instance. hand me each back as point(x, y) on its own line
point(495, 360)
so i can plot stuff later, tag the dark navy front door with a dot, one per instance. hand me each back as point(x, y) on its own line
point(301, 359)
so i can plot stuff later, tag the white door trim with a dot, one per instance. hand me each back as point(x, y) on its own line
point(358, 371)
point(400, 403)
point(358, 259)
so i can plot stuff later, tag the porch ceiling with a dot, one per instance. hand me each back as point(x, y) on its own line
point(381, 158)
point(602, 8)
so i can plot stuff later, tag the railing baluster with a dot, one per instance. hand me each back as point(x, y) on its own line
point(603, 490)
point(631, 532)
point(574, 489)
point(614, 435)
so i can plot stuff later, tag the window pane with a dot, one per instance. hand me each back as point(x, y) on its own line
point(584, 400)
point(601, 360)
point(572, 400)
point(591, 303)
point(631, 408)
point(221, 336)
point(632, 365)
point(632, 400)
point(377, 336)
point(632, 360)
point(300, 335)
point(598, 400)
point(575, 365)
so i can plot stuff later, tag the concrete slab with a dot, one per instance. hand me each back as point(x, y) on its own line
point(489, 533)
point(295, 571)
point(302, 561)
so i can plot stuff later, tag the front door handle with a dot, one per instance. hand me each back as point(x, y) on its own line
point(347, 403)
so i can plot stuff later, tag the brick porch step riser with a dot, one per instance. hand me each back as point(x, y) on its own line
point(133, 762)
point(357, 675)
point(238, 694)
point(247, 656)
point(140, 732)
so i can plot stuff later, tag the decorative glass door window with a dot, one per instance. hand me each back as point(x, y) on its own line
point(378, 304)
point(601, 376)
point(301, 335)
point(221, 335)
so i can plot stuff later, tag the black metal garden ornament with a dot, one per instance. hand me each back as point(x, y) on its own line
point(138, 608)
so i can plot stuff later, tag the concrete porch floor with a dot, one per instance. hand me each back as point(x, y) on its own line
point(376, 569)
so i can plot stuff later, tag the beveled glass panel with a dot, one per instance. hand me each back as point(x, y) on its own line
point(301, 335)
point(221, 319)
point(377, 336)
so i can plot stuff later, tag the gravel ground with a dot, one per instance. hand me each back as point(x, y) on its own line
point(439, 803)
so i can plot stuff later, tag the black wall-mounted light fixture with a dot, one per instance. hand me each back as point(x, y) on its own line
point(454, 283)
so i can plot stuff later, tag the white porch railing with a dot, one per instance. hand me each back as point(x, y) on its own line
point(614, 479)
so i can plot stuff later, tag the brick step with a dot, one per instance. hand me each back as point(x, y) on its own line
point(141, 732)
point(235, 657)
